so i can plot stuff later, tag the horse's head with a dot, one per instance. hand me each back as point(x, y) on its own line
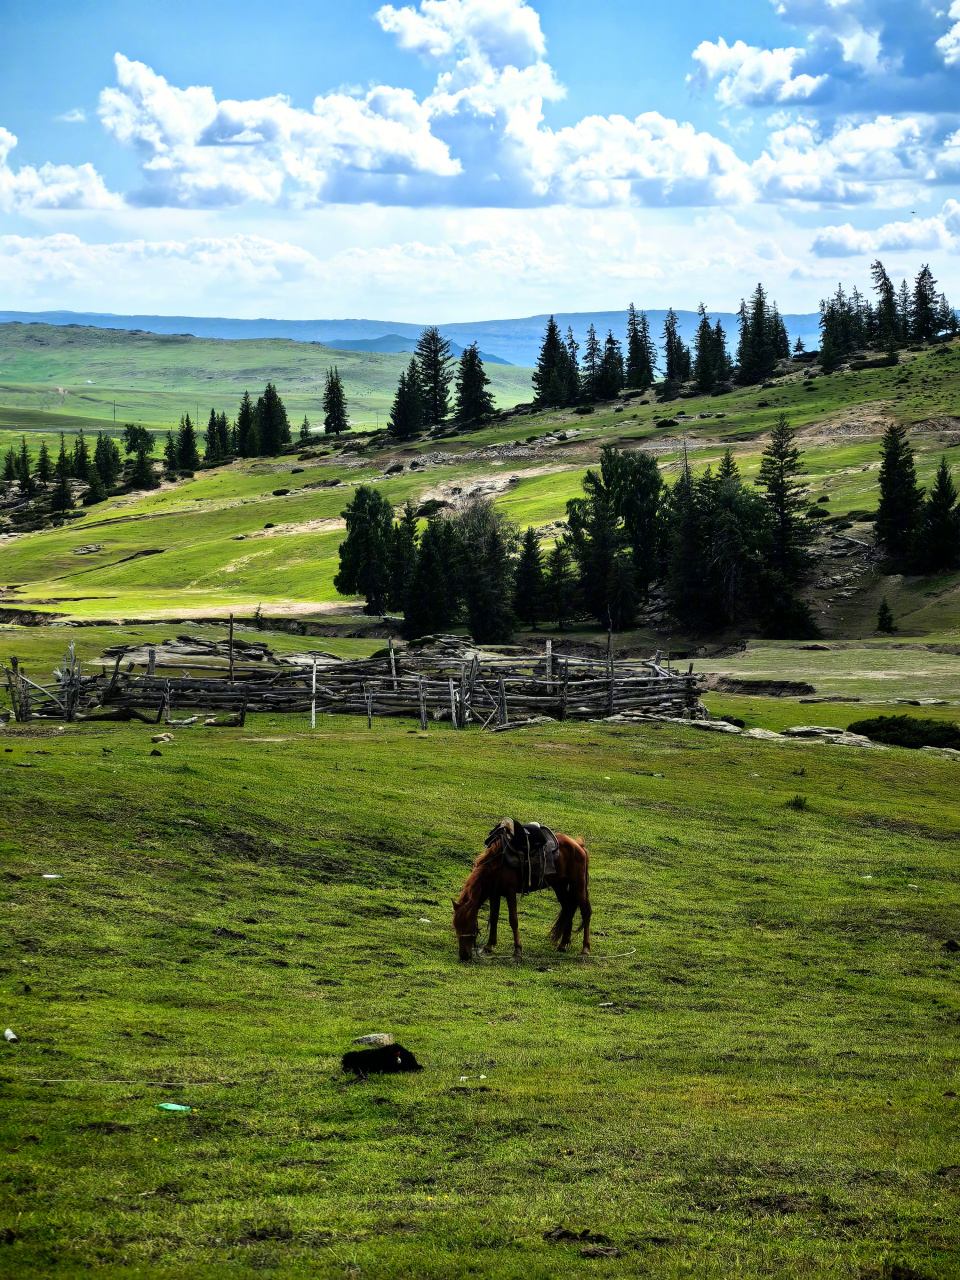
point(465, 928)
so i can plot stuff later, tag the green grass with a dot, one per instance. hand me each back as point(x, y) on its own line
point(756, 1084)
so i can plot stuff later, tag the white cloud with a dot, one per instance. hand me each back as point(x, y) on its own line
point(52, 186)
point(76, 115)
point(949, 44)
point(841, 242)
point(499, 32)
point(941, 232)
point(749, 76)
point(200, 153)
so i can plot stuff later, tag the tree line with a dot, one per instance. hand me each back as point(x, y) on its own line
point(726, 552)
point(435, 385)
point(917, 532)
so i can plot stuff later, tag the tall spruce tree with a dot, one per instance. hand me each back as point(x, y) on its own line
point(924, 306)
point(44, 467)
point(433, 596)
point(885, 623)
point(10, 465)
point(638, 374)
point(901, 498)
point(61, 498)
point(528, 596)
point(273, 425)
point(780, 464)
point(757, 348)
point(96, 492)
point(80, 465)
point(676, 353)
point(365, 553)
point(435, 370)
point(473, 402)
point(886, 313)
point(334, 403)
point(590, 366)
point(171, 457)
point(211, 445)
point(635, 486)
point(610, 381)
point(704, 352)
point(106, 458)
point(24, 470)
point(548, 376)
point(599, 544)
point(406, 414)
point(560, 586)
point(487, 542)
point(938, 543)
point(403, 556)
point(305, 430)
point(573, 389)
point(188, 455)
point(246, 429)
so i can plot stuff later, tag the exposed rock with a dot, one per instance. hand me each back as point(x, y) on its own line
point(375, 1038)
point(812, 731)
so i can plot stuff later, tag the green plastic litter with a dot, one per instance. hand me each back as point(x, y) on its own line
point(172, 1106)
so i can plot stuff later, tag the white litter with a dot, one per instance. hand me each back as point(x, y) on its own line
point(9, 1035)
point(463, 1079)
point(424, 920)
point(47, 875)
point(606, 1004)
point(913, 886)
point(483, 1077)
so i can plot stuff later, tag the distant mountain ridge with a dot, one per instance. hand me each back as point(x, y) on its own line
point(514, 341)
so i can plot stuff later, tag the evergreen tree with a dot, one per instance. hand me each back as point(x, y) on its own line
point(406, 415)
point(799, 347)
point(829, 358)
point(528, 597)
point(640, 354)
point(95, 488)
point(246, 429)
point(901, 498)
point(610, 382)
point(433, 595)
point(473, 402)
point(435, 374)
point(924, 306)
point(780, 464)
point(938, 543)
point(224, 438)
point(904, 321)
point(757, 348)
point(704, 347)
point(24, 470)
point(44, 467)
point(780, 339)
point(366, 550)
point(334, 403)
point(487, 543)
point(142, 475)
point(61, 498)
point(885, 623)
point(635, 486)
point(273, 426)
point(598, 541)
point(560, 586)
point(728, 469)
point(80, 465)
point(305, 430)
point(590, 368)
point(106, 458)
point(548, 376)
point(403, 557)
point(188, 456)
point(211, 445)
point(171, 457)
point(886, 314)
point(721, 358)
point(572, 389)
point(61, 468)
point(676, 353)
point(10, 465)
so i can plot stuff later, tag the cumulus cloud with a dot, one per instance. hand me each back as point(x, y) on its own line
point(939, 232)
point(499, 32)
point(199, 153)
point(52, 186)
point(949, 44)
point(76, 115)
point(748, 76)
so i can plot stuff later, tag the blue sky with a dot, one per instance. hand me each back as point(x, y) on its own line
point(469, 159)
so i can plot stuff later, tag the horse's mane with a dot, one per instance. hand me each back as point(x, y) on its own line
point(468, 904)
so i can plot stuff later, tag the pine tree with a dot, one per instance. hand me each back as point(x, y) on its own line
point(224, 439)
point(886, 313)
point(403, 556)
point(473, 402)
point(528, 595)
point(246, 428)
point(366, 550)
point(590, 368)
point(273, 426)
point(600, 547)
point(547, 377)
point(728, 469)
point(901, 498)
point(433, 596)
point(904, 317)
point(639, 369)
point(885, 623)
point(799, 347)
point(334, 403)
point(435, 374)
point(635, 489)
point(188, 456)
point(779, 338)
point(924, 306)
point(142, 475)
point(212, 451)
point(10, 465)
point(61, 498)
point(704, 372)
point(487, 543)
point(759, 336)
point(44, 467)
point(938, 541)
point(171, 457)
point(61, 468)
point(24, 471)
point(829, 358)
point(780, 464)
point(81, 457)
point(676, 353)
point(95, 488)
point(305, 430)
point(106, 458)
point(573, 389)
point(610, 380)
point(560, 586)
point(406, 415)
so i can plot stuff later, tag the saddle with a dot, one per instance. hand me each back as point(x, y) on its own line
point(529, 848)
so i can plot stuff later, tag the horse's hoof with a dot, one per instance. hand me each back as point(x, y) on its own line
point(488, 951)
point(564, 946)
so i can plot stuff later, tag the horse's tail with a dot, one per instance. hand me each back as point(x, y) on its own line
point(564, 921)
point(586, 875)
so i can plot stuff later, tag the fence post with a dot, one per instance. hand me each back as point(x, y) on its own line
point(151, 661)
point(231, 648)
point(563, 696)
point(549, 659)
point(423, 705)
point(393, 663)
point(502, 717)
point(453, 703)
point(463, 695)
point(313, 697)
point(369, 693)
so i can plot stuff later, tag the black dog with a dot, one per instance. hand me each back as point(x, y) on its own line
point(381, 1061)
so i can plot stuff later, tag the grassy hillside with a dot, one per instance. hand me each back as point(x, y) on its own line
point(760, 1081)
point(62, 377)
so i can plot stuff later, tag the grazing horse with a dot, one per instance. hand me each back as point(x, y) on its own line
point(498, 872)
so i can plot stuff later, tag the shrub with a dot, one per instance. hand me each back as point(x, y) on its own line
point(909, 731)
point(799, 803)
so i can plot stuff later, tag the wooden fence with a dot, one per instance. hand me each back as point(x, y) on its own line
point(446, 682)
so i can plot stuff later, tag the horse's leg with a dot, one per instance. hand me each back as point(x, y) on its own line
point(494, 917)
point(586, 911)
point(567, 911)
point(514, 922)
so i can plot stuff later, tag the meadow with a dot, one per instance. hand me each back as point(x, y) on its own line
point(756, 1074)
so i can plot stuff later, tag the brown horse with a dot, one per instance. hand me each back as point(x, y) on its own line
point(493, 877)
